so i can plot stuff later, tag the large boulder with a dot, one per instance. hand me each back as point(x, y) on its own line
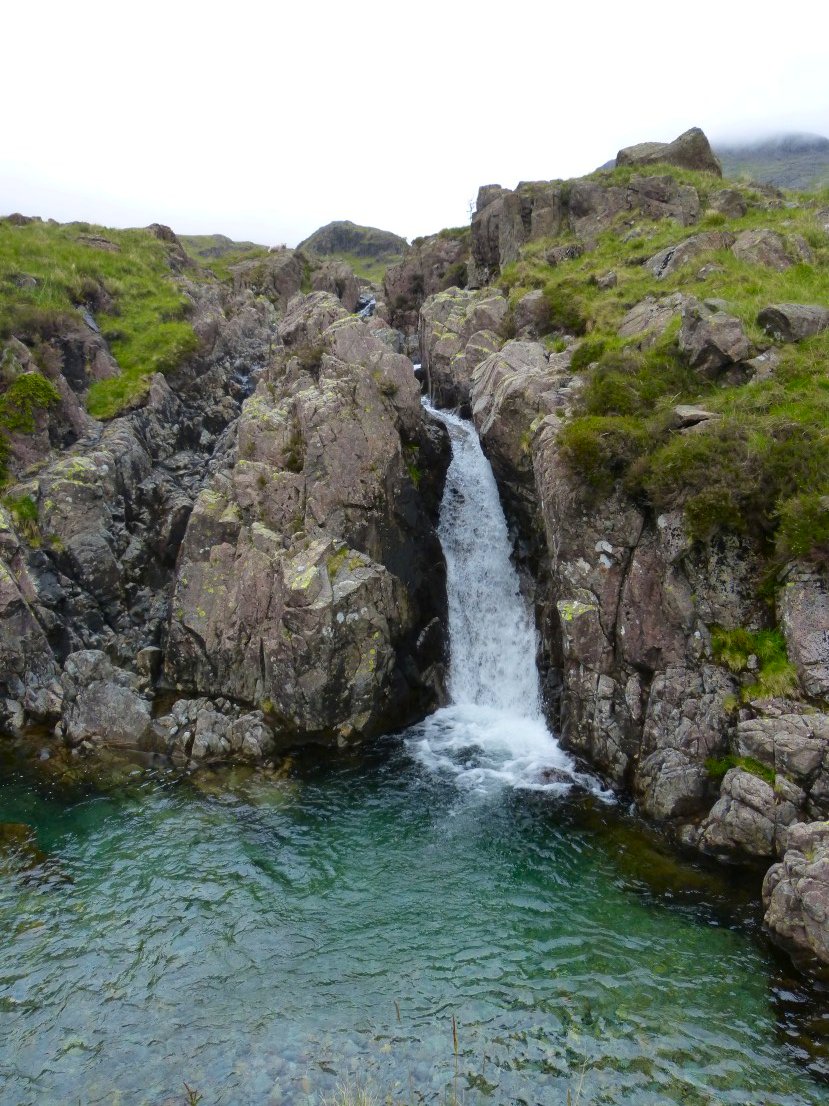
point(750, 818)
point(796, 893)
point(792, 322)
point(337, 277)
point(763, 247)
point(712, 340)
point(691, 150)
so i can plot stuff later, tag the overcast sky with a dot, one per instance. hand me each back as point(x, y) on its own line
point(264, 121)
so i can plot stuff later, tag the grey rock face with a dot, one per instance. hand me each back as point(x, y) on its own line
point(448, 321)
point(102, 704)
point(338, 278)
point(796, 892)
point(804, 611)
point(309, 569)
point(430, 265)
point(749, 818)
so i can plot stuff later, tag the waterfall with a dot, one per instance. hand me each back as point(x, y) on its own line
point(493, 732)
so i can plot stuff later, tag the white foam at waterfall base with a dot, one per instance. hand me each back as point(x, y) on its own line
point(493, 732)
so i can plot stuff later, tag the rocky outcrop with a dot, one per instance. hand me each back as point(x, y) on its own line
point(310, 572)
point(667, 261)
point(458, 329)
point(430, 265)
point(505, 221)
point(90, 566)
point(796, 893)
point(338, 278)
point(278, 276)
point(691, 150)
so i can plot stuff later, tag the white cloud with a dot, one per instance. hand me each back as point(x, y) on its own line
point(264, 121)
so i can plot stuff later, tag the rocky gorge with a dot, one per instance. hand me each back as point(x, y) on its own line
point(242, 556)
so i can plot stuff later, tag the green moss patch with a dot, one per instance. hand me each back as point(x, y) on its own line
point(775, 674)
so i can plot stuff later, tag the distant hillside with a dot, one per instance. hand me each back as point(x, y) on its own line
point(368, 250)
point(799, 161)
point(206, 246)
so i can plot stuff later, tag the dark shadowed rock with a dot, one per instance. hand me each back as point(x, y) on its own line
point(691, 150)
point(792, 322)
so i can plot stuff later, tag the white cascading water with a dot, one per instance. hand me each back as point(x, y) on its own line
point(493, 732)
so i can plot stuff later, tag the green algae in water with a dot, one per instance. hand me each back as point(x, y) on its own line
point(258, 940)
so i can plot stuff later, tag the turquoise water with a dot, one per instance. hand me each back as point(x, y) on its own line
point(266, 939)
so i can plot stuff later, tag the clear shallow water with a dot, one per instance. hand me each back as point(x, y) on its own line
point(252, 937)
point(265, 939)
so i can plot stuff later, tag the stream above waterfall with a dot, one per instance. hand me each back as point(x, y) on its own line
point(268, 935)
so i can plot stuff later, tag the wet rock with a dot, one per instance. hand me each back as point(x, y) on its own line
point(687, 715)
point(792, 322)
point(308, 571)
point(796, 892)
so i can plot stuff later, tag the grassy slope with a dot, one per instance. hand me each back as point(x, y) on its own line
point(147, 329)
point(763, 467)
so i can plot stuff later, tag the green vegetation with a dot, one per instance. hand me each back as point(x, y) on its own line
point(775, 674)
point(761, 466)
point(718, 766)
point(370, 268)
point(47, 272)
point(23, 510)
point(27, 393)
